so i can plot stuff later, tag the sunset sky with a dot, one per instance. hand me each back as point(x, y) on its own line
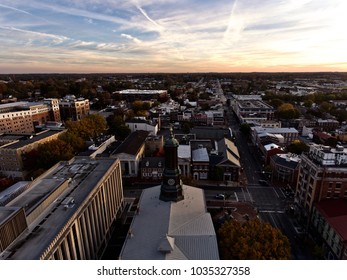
point(64, 36)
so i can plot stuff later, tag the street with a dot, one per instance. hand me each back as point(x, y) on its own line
point(270, 201)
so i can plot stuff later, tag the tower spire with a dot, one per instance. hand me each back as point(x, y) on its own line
point(171, 187)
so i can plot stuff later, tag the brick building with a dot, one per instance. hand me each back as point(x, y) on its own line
point(322, 175)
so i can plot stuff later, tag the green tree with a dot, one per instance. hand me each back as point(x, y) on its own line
point(252, 240)
point(117, 127)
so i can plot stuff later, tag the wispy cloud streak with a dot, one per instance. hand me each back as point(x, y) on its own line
point(181, 35)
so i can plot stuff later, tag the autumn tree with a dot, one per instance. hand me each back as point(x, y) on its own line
point(252, 240)
point(89, 127)
point(297, 147)
point(75, 141)
point(325, 106)
point(52, 152)
point(276, 102)
point(287, 111)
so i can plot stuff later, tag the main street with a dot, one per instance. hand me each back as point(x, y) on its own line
point(271, 202)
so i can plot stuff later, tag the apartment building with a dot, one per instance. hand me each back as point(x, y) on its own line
point(72, 108)
point(54, 111)
point(16, 118)
point(69, 212)
point(322, 175)
point(22, 117)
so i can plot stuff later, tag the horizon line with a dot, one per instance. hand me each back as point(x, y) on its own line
point(132, 73)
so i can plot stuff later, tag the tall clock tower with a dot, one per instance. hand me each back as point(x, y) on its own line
point(171, 187)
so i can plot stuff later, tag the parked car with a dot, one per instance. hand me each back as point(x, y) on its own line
point(219, 196)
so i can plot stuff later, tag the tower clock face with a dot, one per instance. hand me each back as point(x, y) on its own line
point(171, 182)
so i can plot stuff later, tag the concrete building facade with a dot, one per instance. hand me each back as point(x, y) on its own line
point(67, 213)
point(72, 108)
point(13, 153)
point(252, 110)
point(22, 117)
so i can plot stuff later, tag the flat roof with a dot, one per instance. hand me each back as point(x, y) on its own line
point(13, 104)
point(37, 137)
point(142, 91)
point(84, 175)
point(6, 212)
point(12, 190)
point(254, 104)
point(275, 130)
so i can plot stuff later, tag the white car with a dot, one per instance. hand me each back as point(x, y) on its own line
point(219, 196)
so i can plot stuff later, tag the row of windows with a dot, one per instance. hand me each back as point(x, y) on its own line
point(88, 233)
point(15, 114)
point(152, 175)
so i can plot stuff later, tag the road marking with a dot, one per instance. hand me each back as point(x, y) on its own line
point(237, 199)
point(276, 193)
point(272, 211)
point(273, 220)
point(244, 196)
point(250, 196)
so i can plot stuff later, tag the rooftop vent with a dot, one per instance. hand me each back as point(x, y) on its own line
point(68, 202)
point(340, 148)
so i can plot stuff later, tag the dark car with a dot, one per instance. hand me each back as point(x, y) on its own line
point(263, 182)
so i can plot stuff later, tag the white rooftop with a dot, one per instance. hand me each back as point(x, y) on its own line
point(290, 157)
point(274, 130)
point(271, 146)
point(171, 230)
